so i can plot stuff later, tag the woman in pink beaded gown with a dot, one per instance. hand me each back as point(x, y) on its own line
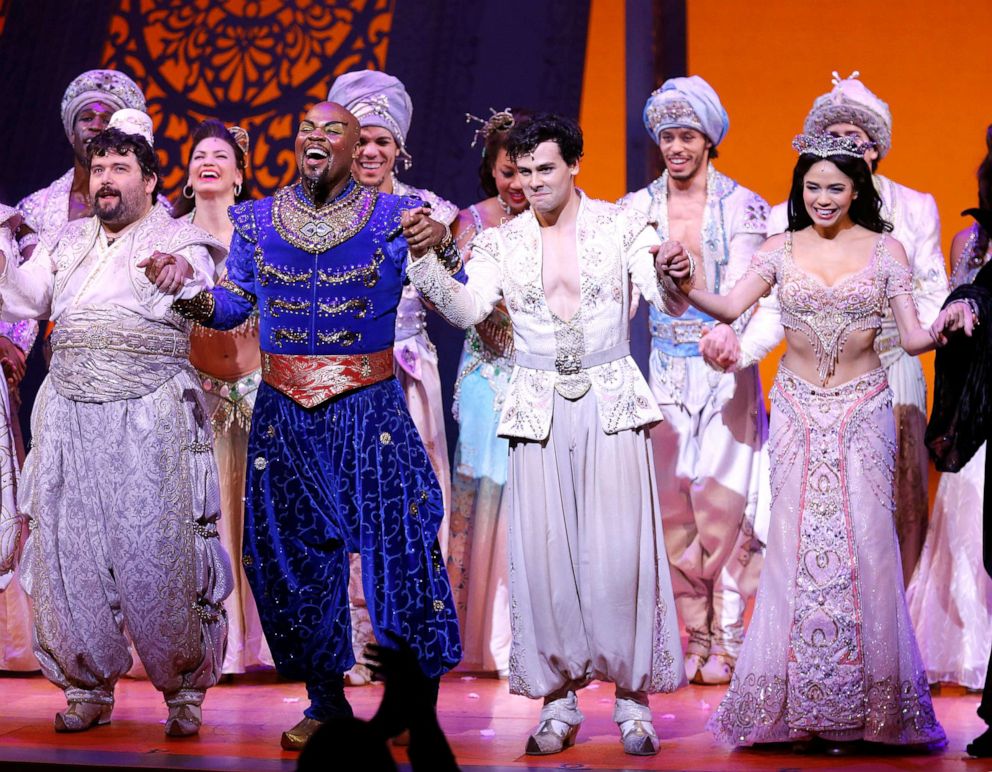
point(830, 651)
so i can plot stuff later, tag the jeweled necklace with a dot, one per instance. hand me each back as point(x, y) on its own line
point(504, 206)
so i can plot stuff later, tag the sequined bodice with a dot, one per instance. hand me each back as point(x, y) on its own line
point(827, 315)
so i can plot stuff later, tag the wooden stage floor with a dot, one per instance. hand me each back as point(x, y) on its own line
point(486, 727)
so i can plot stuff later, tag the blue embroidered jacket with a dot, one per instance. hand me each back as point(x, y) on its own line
point(313, 298)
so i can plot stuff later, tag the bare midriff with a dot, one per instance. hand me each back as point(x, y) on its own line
point(856, 357)
point(226, 356)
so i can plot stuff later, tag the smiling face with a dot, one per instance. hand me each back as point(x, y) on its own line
point(326, 143)
point(120, 194)
point(509, 186)
point(213, 169)
point(548, 182)
point(377, 151)
point(827, 194)
point(89, 122)
point(684, 151)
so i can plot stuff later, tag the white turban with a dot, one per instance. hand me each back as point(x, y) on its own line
point(133, 122)
point(375, 99)
point(850, 101)
point(110, 86)
point(689, 103)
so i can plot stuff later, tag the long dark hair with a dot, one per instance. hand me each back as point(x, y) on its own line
point(214, 128)
point(866, 207)
point(495, 140)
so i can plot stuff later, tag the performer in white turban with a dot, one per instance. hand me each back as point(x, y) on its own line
point(707, 449)
point(383, 109)
point(87, 105)
point(120, 487)
point(851, 109)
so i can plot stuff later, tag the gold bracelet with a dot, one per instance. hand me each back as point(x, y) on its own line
point(199, 308)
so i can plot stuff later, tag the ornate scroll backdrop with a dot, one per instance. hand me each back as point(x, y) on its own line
point(256, 63)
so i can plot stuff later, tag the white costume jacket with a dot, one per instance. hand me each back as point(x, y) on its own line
point(733, 228)
point(613, 250)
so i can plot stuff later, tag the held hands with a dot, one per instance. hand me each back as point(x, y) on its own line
point(420, 231)
point(955, 317)
point(671, 259)
point(167, 272)
point(12, 361)
point(720, 347)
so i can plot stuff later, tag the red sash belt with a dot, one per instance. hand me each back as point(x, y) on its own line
point(311, 379)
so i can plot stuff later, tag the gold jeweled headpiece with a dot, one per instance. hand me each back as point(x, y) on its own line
point(498, 121)
point(824, 145)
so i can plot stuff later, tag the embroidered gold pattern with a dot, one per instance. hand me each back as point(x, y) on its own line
point(343, 337)
point(316, 230)
point(288, 335)
point(233, 288)
point(369, 274)
point(275, 305)
point(266, 272)
point(359, 305)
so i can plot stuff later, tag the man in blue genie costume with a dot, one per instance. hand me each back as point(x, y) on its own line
point(335, 463)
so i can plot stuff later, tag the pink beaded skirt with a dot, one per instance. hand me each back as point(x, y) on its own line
point(830, 651)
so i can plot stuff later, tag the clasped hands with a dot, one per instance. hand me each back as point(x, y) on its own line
point(719, 347)
point(954, 317)
point(167, 272)
point(421, 232)
point(672, 260)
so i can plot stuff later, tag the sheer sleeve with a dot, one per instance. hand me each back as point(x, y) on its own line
point(898, 277)
point(767, 265)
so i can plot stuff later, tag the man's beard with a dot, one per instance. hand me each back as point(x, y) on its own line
point(123, 211)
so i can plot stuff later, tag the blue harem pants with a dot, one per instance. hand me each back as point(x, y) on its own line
point(349, 475)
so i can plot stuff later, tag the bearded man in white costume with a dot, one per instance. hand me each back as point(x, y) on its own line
point(589, 581)
point(120, 487)
point(707, 450)
point(850, 109)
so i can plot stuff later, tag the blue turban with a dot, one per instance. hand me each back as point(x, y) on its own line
point(686, 103)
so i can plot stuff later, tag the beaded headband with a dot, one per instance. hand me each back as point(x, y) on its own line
point(824, 145)
point(673, 113)
point(240, 137)
point(498, 121)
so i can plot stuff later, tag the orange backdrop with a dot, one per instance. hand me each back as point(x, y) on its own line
point(930, 62)
point(769, 60)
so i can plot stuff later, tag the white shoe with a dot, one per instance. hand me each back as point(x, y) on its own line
point(693, 663)
point(558, 727)
point(717, 670)
point(636, 730)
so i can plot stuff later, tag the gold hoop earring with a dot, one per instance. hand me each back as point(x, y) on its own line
point(189, 195)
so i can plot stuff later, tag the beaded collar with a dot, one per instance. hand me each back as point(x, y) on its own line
point(314, 229)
